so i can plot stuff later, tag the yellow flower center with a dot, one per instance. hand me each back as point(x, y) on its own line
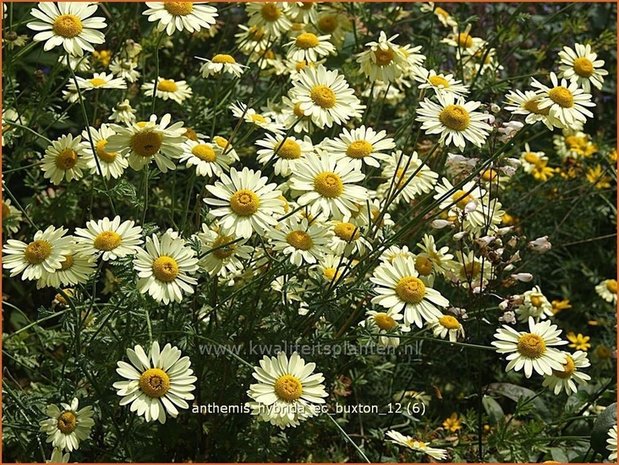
point(223, 247)
point(36, 252)
point(288, 388)
point(6, 210)
point(532, 158)
point(561, 96)
point(329, 273)
point(536, 301)
point(359, 149)
point(611, 285)
point(583, 67)
point(165, 269)
point(167, 85)
point(449, 322)
point(97, 82)
point(531, 345)
point(307, 40)
point(270, 12)
point(300, 240)
point(384, 56)
point(568, 369)
point(154, 382)
point(290, 149)
point(347, 231)
point(223, 58)
point(533, 106)
point(328, 184)
point(470, 270)
point(204, 152)
point(191, 134)
point(244, 202)
point(256, 118)
point(423, 265)
point(455, 117)
point(221, 141)
point(384, 321)
point(441, 12)
point(107, 157)
point(255, 33)
point(297, 110)
point(67, 26)
point(489, 175)
point(323, 96)
point(68, 262)
point(67, 422)
point(410, 289)
point(462, 199)
point(107, 240)
point(146, 143)
point(300, 66)
point(327, 23)
point(66, 159)
point(465, 40)
point(439, 81)
point(178, 8)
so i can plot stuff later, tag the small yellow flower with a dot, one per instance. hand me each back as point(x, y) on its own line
point(612, 156)
point(597, 177)
point(578, 342)
point(542, 172)
point(452, 423)
point(560, 305)
point(103, 57)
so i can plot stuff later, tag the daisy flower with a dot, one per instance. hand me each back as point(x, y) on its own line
point(464, 42)
point(563, 380)
point(455, 120)
point(125, 69)
point(531, 350)
point(440, 83)
point(164, 267)
point(416, 445)
point(387, 325)
point(447, 326)
point(398, 287)
point(109, 239)
point(44, 255)
point(527, 103)
point(302, 12)
point(249, 115)
point(65, 159)
point(112, 164)
point(470, 271)
point(580, 65)
point(269, 16)
point(534, 304)
point(207, 157)
point(611, 443)
point(287, 390)
point(309, 47)
point(332, 21)
point(221, 63)
point(68, 24)
point(468, 197)
point(178, 91)
point(173, 16)
point(226, 147)
point(145, 141)
point(443, 16)
point(67, 426)
point(565, 102)
point(11, 216)
point(158, 384)
point(348, 239)
point(607, 290)
point(325, 97)
point(244, 202)
point(292, 117)
point(301, 241)
point(76, 268)
point(222, 254)
point(361, 145)
point(328, 186)
point(97, 81)
point(254, 39)
point(441, 260)
point(408, 175)
point(286, 151)
point(123, 113)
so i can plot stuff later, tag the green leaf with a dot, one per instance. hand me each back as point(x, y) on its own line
point(605, 421)
point(493, 409)
point(518, 394)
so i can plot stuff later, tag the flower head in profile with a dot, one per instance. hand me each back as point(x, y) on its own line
point(287, 391)
point(607, 290)
point(156, 384)
point(571, 374)
point(166, 89)
point(416, 445)
point(188, 16)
